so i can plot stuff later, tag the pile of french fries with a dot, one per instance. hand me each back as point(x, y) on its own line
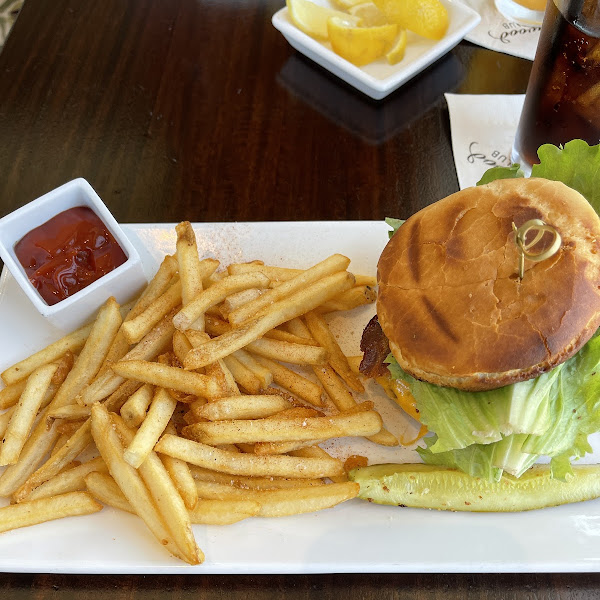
point(178, 407)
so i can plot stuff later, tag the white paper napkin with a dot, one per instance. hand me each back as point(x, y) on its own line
point(498, 33)
point(483, 129)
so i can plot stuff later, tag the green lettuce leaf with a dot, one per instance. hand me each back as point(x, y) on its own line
point(394, 224)
point(494, 173)
point(577, 165)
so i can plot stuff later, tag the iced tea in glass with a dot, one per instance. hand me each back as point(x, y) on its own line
point(562, 102)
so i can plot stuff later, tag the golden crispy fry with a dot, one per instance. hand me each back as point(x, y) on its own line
point(168, 377)
point(5, 419)
point(242, 407)
point(252, 483)
point(247, 464)
point(299, 354)
point(135, 329)
point(181, 345)
point(70, 480)
point(72, 342)
point(353, 298)
point(47, 509)
point(293, 382)
point(335, 388)
point(242, 375)
point(128, 479)
point(260, 372)
point(166, 498)
point(321, 333)
point(223, 512)
point(284, 502)
point(160, 412)
point(10, 395)
point(92, 355)
point(238, 299)
point(329, 266)
point(148, 348)
point(189, 262)
point(76, 444)
point(71, 412)
point(24, 414)
point(285, 430)
point(286, 336)
point(105, 489)
point(216, 293)
point(135, 408)
point(318, 452)
point(264, 448)
point(292, 306)
point(181, 475)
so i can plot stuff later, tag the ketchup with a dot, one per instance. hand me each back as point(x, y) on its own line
point(67, 253)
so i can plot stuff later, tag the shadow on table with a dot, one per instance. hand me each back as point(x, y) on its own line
point(373, 121)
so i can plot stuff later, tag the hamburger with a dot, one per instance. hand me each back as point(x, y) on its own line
point(503, 369)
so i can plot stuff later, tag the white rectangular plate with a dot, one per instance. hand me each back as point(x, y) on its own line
point(353, 537)
point(378, 79)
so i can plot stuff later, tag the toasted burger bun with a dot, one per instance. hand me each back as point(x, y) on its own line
point(450, 299)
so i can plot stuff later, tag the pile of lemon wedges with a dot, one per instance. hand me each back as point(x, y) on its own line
point(363, 31)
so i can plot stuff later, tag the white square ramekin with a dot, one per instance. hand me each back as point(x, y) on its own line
point(122, 283)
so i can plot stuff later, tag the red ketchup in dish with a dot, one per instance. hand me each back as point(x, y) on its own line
point(67, 253)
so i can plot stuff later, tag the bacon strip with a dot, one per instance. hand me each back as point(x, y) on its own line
point(375, 348)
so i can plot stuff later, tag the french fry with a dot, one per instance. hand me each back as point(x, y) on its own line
point(92, 355)
point(24, 414)
point(72, 342)
point(321, 333)
point(238, 299)
point(247, 464)
point(284, 430)
point(135, 329)
point(71, 412)
point(5, 419)
point(284, 502)
point(293, 382)
point(292, 306)
point(105, 489)
point(160, 412)
point(147, 349)
point(242, 375)
point(166, 498)
point(188, 261)
point(264, 448)
point(289, 352)
point(262, 373)
point(47, 509)
point(329, 266)
point(76, 444)
point(252, 483)
point(286, 336)
point(181, 475)
point(318, 452)
point(10, 395)
point(128, 479)
point(135, 408)
point(335, 388)
point(70, 480)
point(168, 377)
point(242, 407)
point(359, 295)
point(181, 345)
point(216, 293)
point(223, 512)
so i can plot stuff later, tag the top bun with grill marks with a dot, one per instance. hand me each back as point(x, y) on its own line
point(451, 301)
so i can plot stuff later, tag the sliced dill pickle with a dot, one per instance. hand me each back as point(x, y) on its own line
point(440, 488)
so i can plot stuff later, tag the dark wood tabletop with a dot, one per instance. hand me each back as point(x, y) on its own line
point(200, 110)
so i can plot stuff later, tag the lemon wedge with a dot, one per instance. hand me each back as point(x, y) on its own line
point(360, 45)
point(396, 54)
point(369, 14)
point(428, 18)
point(312, 18)
point(347, 4)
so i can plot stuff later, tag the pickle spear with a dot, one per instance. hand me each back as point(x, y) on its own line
point(441, 488)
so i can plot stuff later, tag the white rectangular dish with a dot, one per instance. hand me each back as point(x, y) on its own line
point(378, 79)
point(353, 537)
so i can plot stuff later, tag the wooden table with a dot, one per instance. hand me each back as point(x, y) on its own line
point(199, 110)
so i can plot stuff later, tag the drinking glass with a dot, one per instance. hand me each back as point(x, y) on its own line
point(562, 101)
